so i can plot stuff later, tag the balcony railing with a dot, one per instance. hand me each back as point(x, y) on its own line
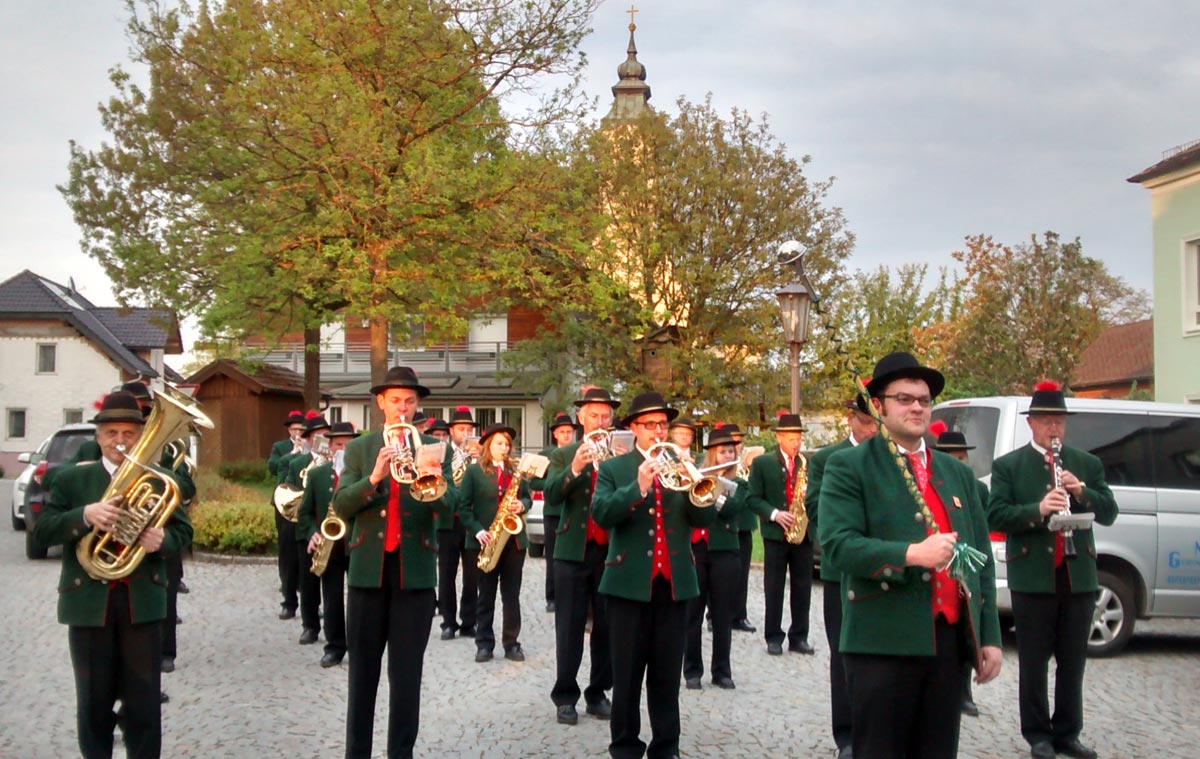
point(353, 360)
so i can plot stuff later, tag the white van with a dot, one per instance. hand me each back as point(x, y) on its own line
point(1149, 560)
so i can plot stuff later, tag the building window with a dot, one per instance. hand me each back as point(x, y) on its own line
point(1191, 287)
point(72, 416)
point(46, 358)
point(485, 417)
point(334, 414)
point(434, 412)
point(512, 417)
point(16, 424)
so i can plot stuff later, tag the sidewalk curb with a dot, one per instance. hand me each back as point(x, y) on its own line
point(207, 557)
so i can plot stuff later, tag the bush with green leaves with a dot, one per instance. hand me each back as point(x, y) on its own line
point(232, 518)
point(249, 471)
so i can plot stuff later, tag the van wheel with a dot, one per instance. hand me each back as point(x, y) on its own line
point(1113, 619)
point(536, 549)
point(18, 523)
point(33, 549)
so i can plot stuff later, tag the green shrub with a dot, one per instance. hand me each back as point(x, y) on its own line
point(236, 527)
point(250, 472)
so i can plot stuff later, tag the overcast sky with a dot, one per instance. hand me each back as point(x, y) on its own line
point(938, 119)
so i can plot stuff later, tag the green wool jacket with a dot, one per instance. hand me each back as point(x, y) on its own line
point(816, 471)
point(364, 508)
point(572, 496)
point(539, 483)
point(479, 498)
point(723, 534)
point(1020, 480)
point(83, 601)
point(314, 506)
point(768, 491)
point(868, 521)
point(618, 506)
point(278, 452)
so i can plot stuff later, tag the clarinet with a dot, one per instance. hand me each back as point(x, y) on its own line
point(1056, 467)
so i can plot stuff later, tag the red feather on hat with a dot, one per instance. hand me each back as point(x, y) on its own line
point(312, 414)
point(99, 404)
point(779, 414)
point(867, 382)
point(465, 409)
point(719, 425)
point(938, 428)
point(1045, 385)
point(295, 412)
point(583, 390)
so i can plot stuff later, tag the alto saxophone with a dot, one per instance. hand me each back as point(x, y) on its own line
point(799, 529)
point(332, 529)
point(507, 522)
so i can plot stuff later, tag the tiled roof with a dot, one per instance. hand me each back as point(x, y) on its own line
point(261, 378)
point(1120, 355)
point(142, 327)
point(1178, 159)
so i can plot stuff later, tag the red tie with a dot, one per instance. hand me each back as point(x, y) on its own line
point(393, 516)
point(920, 472)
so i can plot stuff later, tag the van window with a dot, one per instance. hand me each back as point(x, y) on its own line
point(1121, 441)
point(65, 445)
point(978, 424)
point(1177, 452)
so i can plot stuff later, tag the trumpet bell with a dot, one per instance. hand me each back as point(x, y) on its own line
point(428, 487)
point(705, 492)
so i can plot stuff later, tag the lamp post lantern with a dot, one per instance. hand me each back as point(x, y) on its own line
point(794, 302)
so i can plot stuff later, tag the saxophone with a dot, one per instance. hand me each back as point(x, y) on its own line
point(506, 522)
point(799, 529)
point(333, 529)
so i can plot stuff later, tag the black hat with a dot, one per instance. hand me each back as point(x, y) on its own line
point(901, 365)
point(418, 418)
point(947, 440)
point(720, 435)
point(645, 403)
point(1047, 399)
point(295, 416)
point(439, 425)
point(341, 429)
point(733, 429)
point(561, 420)
point(788, 423)
point(462, 415)
point(859, 401)
point(119, 406)
point(138, 389)
point(684, 421)
point(594, 394)
point(313, 422)
point(401, 377)
point(512, 434)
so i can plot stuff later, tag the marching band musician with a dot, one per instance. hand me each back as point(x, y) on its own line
point(648, 580)
point(579, 552)
point(483, 489)
point(310, 584)
point(773, 478)
point(563, 432)
point(318, 494)
point(904, 526)
point(289, 560)
point(747, 523)
point(392, 574)
point(716, 553)
point(862, 427)
point(682, 432)
point(453, 546)
point(1053, 594)
point(114, 627)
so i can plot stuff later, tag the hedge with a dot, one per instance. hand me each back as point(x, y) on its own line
point(232, 518)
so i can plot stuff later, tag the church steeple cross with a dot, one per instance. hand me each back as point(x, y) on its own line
point(632, 10)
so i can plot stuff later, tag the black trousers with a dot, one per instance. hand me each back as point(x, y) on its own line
point(398, 620)
point(120, 660)
point(908, 707)
point(507, 577)
point(452, 549)
point(578, 589)
point(289, 562)
point(1052, 625)
point(174, 577)
point(550, 530)
point(717, 572)
point(310, 589)
point(839, 696)
point(781, 561)
point(333, 593)
point(647, 643)
point(746, 544)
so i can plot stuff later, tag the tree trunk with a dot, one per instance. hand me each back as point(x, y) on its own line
point(379, 363)
point(312, 368)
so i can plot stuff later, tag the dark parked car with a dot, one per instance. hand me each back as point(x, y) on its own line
point(63, 445)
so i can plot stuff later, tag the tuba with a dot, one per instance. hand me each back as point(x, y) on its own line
point(506, 522)
point(796, 533)
point(147, 497)
point(675, 473)
point(423, 487)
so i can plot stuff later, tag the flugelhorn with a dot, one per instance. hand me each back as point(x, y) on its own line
point(404, 464)
point(676, 473)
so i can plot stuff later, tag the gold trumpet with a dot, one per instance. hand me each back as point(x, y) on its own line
point(676, 473)
point(423, 487)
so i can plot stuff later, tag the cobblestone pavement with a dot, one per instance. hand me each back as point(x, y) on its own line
point(244, 688)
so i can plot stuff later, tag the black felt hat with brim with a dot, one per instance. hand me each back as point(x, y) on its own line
point(462, 415)
point(684, 421)
point(788, 422)
point(1047, 400)
point(439, 425)
point(403, 378)
point(138, 389)
point(596, 395)
point(492, 430)
point(719, 436)
point(341, 429)
point(295, 416)
point(647, 403)
point(120, 406)
point(948, 440)
point(901, 365)
point(315, 423)
point(561, 420)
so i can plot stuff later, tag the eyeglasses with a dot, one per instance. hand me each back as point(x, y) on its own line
point(904, 399)
point(653, 425)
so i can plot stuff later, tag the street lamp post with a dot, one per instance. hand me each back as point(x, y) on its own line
point(794, 302)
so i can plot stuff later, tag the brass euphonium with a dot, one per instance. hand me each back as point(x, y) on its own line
point(422, 487)
point(147, 498)
point(676, 473)
point(795, 534)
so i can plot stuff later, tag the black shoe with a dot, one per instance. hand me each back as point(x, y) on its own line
point(168, 664)
point(800, 647)
point(1042, 750)
point(182, 588)
point(308, 637)
point(1076, 749)
point(602, 709)
point(550, 607)
point(514, 654)
point(466, 632)
point(163, 697)
point(483, 655)
point(969, 708)
point(744, 626)
point(775, 649)
point(287, 613)
point(447, 634)
point(724, 682)
point(331, 660)
point(692, 683)
point(846, 752)
point(567, 715)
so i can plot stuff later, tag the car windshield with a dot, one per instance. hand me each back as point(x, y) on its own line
point(66, 444)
